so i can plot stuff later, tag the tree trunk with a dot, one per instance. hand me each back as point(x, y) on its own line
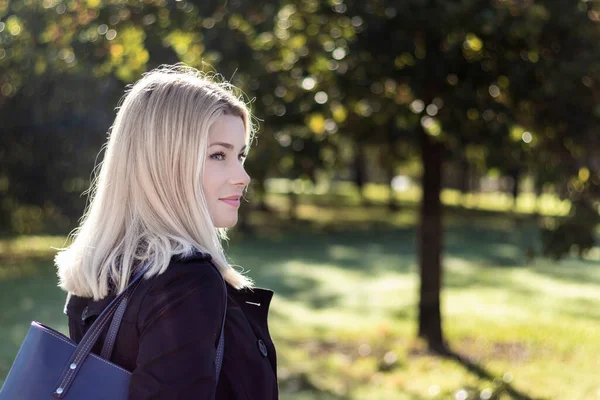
point(429, 242)
point(464, 179)
point(243, 225)
point(387, 164)
point(360, 173)
point(293, 210)
point(539, 190)
point(389, 157)
point(515, 174)
point(261, 195)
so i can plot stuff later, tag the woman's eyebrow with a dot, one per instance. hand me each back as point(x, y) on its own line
point(226, 145)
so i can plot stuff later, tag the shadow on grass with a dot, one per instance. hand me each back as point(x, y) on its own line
point(572, 269)
point(368, 252)
point(502, 244)
point(350, 249)
point(277, 260)
point(482, 373)
point(300, 386)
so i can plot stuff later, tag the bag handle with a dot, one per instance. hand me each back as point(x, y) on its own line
point(116, 310)
point(92, 335)
point(221, 345)
point(111, 336)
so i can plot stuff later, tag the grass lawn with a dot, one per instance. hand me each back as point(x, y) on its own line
point(343, 316)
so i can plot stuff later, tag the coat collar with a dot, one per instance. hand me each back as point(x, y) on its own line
point(254, 295)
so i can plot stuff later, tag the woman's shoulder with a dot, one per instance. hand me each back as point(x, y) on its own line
point(185, 270)
point(187, 275)
point(193, 280)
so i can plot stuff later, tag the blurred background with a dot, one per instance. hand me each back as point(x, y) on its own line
point(426, 179)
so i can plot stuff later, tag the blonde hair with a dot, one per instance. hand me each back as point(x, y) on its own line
point(147, 202)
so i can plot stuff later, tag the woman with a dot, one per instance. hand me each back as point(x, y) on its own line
point(169, 186)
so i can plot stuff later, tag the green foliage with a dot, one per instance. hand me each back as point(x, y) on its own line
point(575, 232)
point(505, 85)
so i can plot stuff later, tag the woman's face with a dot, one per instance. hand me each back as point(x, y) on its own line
point(224, 177)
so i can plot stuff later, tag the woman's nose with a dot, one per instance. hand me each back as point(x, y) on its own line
point(242, 177)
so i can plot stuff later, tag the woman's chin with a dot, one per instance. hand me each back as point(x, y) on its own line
point(226, 224)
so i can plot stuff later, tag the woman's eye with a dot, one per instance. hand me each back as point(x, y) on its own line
point(220, 156)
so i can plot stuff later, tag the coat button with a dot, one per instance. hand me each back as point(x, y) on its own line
point(262, 347)
point(84, 314)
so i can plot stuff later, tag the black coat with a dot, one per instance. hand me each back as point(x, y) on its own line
point(170, 332)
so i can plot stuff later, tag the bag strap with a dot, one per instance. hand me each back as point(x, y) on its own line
point(221, 345)
point(91, 337)
point(115, 311)
point(111, 336)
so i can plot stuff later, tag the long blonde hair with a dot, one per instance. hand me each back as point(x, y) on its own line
point(147, 202)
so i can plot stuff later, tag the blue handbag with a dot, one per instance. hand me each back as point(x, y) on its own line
point(49, 365)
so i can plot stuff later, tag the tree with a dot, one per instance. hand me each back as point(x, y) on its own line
point(66, 64)
point(457, 80)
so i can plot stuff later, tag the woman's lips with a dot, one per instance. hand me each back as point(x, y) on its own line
point(233, 203)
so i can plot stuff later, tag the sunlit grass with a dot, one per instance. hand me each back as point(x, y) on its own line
point(347, 192)
point(531, 334)
point(344, 314)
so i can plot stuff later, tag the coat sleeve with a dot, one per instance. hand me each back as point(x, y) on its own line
point(180, 322)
